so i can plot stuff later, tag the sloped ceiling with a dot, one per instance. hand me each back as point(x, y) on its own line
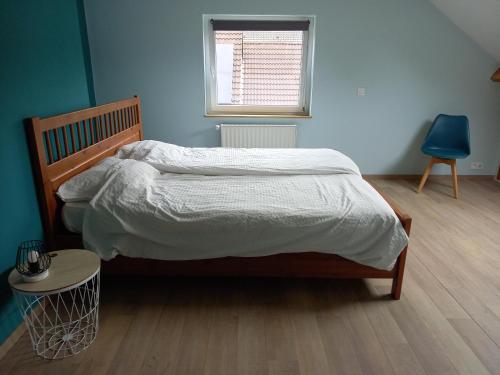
point(480, 19)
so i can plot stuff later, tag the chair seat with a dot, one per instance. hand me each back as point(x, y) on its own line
point(444, 153)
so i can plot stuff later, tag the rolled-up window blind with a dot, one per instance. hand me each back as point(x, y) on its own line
point(249, 25)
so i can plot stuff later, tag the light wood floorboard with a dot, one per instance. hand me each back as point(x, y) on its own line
point(447, 321)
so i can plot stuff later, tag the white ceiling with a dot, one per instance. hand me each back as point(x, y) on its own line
point(480, 19)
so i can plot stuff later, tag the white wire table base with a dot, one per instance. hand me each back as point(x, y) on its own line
point(62, 323)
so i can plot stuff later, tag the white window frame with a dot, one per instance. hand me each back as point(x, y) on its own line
point(212, 109)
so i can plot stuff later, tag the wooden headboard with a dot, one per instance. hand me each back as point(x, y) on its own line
point(65, 145)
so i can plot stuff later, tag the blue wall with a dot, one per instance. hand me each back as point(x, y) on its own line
point(412, 60)
point(44, 70)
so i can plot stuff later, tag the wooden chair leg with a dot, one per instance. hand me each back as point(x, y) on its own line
point(425, 175)
point(453, 166)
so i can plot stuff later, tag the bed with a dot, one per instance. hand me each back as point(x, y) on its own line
point(64, 146)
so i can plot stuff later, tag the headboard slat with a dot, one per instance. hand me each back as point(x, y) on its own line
point(65, 139)
point(73, 143)
point(79, 132)
point(91, 142)
point(85, 133)
point(58, 144)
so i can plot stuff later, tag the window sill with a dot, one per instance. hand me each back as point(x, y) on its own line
point(257, 115)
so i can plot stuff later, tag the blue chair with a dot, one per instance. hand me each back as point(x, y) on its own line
point(447, 140)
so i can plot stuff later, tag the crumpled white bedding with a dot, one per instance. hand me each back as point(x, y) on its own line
point(140, 212)
point(219, 161)
point(72, 215)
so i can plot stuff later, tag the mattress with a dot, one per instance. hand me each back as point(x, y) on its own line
point(73, 214)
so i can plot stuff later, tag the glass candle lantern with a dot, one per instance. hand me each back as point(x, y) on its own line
point(32, 260)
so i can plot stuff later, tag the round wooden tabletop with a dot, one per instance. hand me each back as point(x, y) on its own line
point(69, 269)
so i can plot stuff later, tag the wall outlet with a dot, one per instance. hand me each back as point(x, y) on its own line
point(476, 165)
point(361, 91)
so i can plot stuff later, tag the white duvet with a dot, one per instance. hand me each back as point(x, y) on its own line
point(293, 203)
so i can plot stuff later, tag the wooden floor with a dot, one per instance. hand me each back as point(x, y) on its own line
point(447, 322)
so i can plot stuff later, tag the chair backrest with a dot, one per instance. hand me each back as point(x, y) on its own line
point(449, 132)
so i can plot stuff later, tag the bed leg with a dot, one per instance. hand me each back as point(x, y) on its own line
point(397, 280)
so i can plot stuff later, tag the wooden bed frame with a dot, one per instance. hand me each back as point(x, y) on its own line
point(65, 145)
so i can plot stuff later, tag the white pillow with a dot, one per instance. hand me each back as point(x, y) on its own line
point(84, 186)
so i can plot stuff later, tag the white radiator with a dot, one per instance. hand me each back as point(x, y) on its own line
point(258, 136)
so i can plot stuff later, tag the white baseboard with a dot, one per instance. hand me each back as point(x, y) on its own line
point(431, 176)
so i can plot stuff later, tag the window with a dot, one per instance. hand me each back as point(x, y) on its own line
point(258, 65)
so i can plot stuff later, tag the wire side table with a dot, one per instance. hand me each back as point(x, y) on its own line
point(61, 312)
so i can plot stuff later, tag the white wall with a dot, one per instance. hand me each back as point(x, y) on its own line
point(480, 19)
